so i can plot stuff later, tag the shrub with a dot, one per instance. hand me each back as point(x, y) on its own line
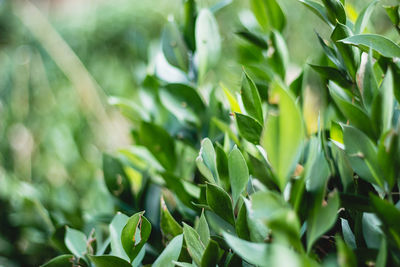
point(241, 178)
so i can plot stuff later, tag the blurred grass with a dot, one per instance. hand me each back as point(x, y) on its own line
point(51, 141)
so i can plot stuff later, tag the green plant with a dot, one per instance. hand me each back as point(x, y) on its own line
point(266, 187)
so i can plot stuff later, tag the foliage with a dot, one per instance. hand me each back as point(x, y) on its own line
point(242, 176)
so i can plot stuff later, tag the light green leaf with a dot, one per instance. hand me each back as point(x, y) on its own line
point(208, 41)
point(379, 43)
point(193, 243)
point(170, 253)
point(268, 14)
point(364, 17)
point(283, 135)
point(206, 161)
point(203, 230)
point(317, 9)
point(238, 173)
point(76, 242)
point(115, 227)
point(174, 47)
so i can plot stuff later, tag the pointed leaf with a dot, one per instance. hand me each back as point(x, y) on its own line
point(220, 202)
point(238, 173)
point(170, 253)
point(379, 43)
point(174, 47)
point(251, 98)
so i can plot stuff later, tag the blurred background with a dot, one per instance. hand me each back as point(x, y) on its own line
point(60, 61)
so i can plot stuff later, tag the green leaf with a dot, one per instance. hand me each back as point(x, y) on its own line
point(268, 14)
point(114, 176)
point(193, 243)
point(211, 255)
point(371, 229)
point(115, 227)
point(335, 11)
point(108, 260)
point(321, 219)
point(393, 14)
point(189, 19)
point(163, 149)
point(381, 259)
point(183, 101)
point(238, 173)
point(262, 254)
point(206, 161)
point(232, 100)
point(348, 235)
point(251, 98)
point(362, 155)
point(379, 43)
point(383, 104)
point(364, 17)
point(389, 215)
point(208, 41)
point(220, 202)
point(60, 261)
point(333, 74)
point(249, 128)
point(283, 135)
point(346, 257)
point(317, 9)
point(331, 54)
point(253, 38)
point(169, 227)
point(76, 242)
point(170, 253)
point(353, 113)
point(174, 47)
point(370, 85)
point(350, 54)
point(241, 226)
point(203, 230)
point(280, 57)
point(135, 234)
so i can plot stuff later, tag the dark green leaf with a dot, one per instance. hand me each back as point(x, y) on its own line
point(370, 85)
point(253, 38)
point(135, 234)
point(189, 19)
point(108, 260)
point(335, 11)
point(393, 13)
point(220, 202)
point(169, 227)
point(249, 128)
point(211, 254)
point(332, 74)
point(251, 98)
point(60, 261)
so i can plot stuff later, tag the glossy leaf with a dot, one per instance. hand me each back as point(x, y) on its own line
point(203, 230)
point(169, 227)
point(60, 261)
point(335, 11)
point(249, 128)
point(251, 98)
point(206, 161)
point(108, 260)
point(220, 202)
point(135, 234)
point(370, 85)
